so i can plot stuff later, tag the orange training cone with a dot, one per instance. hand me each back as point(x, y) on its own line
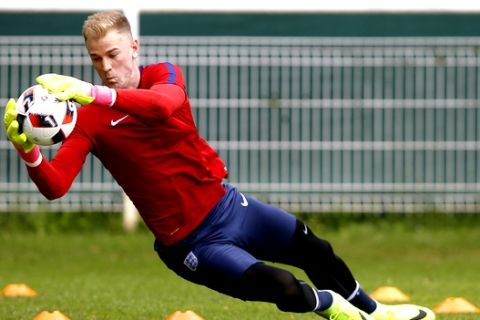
point(389, 294)
point(187, 315)
point(456, 305)
point(18, 290)
point(55, 315)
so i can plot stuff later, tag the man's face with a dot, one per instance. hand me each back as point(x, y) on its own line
point(114, 59)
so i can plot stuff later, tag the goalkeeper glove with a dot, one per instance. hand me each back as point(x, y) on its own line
point(29, 151)
point(12, 125)
point(66, 88)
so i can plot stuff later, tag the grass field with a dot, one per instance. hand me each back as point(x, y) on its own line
point(89, 269)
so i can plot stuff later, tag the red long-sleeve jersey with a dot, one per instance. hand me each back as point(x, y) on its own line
point(150, 144)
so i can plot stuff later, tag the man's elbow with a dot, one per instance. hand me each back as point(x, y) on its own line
point(53, 193)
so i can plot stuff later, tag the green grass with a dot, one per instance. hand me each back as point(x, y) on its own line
point(98, 272)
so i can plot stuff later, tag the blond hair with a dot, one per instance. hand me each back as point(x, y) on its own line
point(98, 24)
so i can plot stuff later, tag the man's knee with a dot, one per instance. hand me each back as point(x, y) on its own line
point(278, 286)
point(306, 247)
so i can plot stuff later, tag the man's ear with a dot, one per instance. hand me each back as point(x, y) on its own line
point(135, 48)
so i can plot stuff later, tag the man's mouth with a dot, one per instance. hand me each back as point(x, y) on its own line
point(110, 81)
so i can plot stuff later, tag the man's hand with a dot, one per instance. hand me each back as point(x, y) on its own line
point(66, 88)
point(11, 126)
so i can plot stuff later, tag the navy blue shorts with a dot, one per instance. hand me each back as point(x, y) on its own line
point(239, 232)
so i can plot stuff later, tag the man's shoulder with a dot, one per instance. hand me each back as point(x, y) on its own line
point(162, 72)
point(165, 66)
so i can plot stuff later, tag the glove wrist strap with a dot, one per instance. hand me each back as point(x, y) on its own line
point(32, 158)
point(103, 95)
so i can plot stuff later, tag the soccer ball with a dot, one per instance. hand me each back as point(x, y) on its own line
point(44, 119)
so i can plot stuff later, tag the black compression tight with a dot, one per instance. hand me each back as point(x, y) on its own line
point(262, 282)
point(316, 257)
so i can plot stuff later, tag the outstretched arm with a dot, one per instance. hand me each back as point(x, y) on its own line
point(54, 178)
point(153, 104)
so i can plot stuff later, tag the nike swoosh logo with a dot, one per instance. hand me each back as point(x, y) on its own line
point(421, 315)
point(305, 229)
point(113, 123)
point(244, 200)
point(363, 318)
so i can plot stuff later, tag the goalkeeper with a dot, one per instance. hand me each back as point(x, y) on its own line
point(139, 124)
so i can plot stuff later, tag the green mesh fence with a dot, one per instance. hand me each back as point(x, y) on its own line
point(310, 124)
